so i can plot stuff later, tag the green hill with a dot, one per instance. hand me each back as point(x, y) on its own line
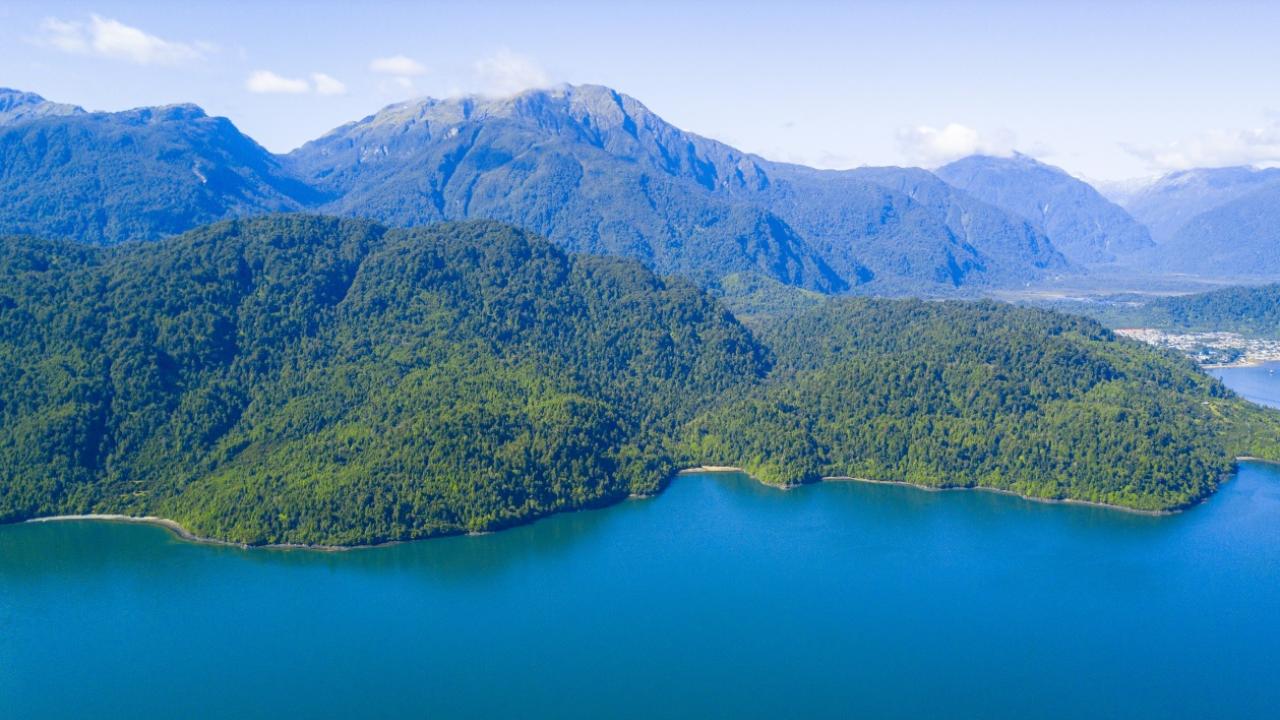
point(983, 395)
point(308, 379)
point(1253, 311)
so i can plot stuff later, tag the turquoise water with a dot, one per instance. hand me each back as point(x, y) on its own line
point(720, 598)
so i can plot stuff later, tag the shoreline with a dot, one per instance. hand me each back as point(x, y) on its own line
point(1247, 363)
point(1011, 493)
point(930, 488)
point(183, 533)
point(176, 528)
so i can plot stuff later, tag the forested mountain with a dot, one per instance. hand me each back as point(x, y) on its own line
point(1168, 204)
point(597, 171)
point(1083, 225)
point(1250, 311)
point(310, 379)
point(17, 106)
point(1238, 238)
point(948, 394)
point(138, 174)
point(307, 379)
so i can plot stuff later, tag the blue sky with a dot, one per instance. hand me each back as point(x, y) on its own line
point(1105, 90)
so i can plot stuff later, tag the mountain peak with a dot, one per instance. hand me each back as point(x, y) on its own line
point(162, 113)
point(603, 105)
point(585, 116)
point(18, 106)
point(1015, 162)
point(1084, 225)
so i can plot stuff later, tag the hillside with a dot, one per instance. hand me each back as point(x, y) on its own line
point(1249, 311)
point(982, 395)
point(597, 171)
point(1168, 204)
point(1086, 227)
point(308, 379)
point(102, 178)
point(1240, 238)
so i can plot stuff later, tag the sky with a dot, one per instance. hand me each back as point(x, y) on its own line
point(1108, 91)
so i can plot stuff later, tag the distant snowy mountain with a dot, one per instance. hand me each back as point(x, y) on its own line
point(1170, 202)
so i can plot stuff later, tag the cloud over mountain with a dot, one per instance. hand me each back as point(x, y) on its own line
point(1258, 146)
point(931, 146)
point(507, 73)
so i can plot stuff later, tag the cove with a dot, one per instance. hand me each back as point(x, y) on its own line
point(720, 598)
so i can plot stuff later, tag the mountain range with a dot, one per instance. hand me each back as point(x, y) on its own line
point(596, 171)
point(140, 174)
point(1216, 221)
point(1086, 227)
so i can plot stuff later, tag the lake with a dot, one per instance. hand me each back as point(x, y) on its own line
point(719, 598)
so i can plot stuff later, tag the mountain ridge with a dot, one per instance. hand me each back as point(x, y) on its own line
point(137, 174)
point(470, 155)
point(597, 171)
point(1083, 225)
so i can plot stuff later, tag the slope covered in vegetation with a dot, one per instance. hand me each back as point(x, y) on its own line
point(1251, 311)
point(314, 380)
point(141, 174)
point(306, 379)
point(983, 395)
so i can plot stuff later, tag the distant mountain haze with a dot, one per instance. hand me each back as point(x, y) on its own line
point(1083, 225)
point(139, 174)
point(596, 171)
point(1241, 237)
point(1169, 203)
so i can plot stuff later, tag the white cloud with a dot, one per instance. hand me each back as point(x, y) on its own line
point(507, 73)
point(1258, 146)
point(930, 146)
point(65, 36)
point(327, 84)
point(109, 38)
point(265, 81)
point(398, 65)
point(268, 83)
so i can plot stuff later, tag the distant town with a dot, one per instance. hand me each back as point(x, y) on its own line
point(1210, 349)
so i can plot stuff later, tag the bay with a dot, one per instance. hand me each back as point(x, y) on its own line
point(719, 598)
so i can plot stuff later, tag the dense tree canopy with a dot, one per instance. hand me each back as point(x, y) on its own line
point(1251, 311)
point(983, 394)
point(308, 379)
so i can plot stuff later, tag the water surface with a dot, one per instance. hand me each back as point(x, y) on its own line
point(719, 598)
point(1259, 383)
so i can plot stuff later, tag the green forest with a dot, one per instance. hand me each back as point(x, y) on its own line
point(302, 379)
point(1252, 311)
